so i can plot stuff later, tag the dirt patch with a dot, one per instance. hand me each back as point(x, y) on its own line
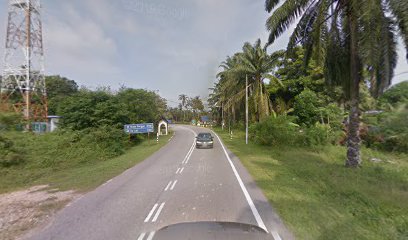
point(24, 210)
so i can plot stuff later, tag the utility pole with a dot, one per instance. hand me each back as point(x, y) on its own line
point(246, 109)
point(222, 116)
point(23, 73)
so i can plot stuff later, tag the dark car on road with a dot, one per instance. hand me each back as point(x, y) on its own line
point(204, 140)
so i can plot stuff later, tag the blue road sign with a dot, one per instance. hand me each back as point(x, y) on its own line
point(139, 128)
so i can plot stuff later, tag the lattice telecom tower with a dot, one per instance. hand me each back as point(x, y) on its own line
point(22, 87)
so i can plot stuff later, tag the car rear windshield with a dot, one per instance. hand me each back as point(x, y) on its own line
point(204, 135)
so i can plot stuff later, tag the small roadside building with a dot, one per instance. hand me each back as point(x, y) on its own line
point(53, 122)
point(163, 123)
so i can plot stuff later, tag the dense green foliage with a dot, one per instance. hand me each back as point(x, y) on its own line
point(307, 107)
point(10, 121)
point(91, 109)
point(282, 130)
point(306, 112)
point(355, 41)
point(396, 95)
point(58, 88)
point(9, 154)
point(53, 149)
point(90, 132)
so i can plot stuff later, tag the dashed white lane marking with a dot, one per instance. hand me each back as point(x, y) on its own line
point(141, 236)
point(276, 236)
point(172, 186)
point(178, 170)
point(158, 211)
point(151, 213)
point(151, 235)
point(251, 204)
point(168, 185)
point(181, 170)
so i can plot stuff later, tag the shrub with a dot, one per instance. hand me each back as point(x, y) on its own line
point(9, 156)
point(397, 94)
point(319, 135)
point(389, 132)
point(10, 121)
point(112, 140)
point(275, 131)
point(307, 108)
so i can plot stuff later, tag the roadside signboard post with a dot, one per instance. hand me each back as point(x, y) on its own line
point(139, 129)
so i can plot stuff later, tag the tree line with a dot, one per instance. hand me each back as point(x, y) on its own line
point(188, 109)
point(83, 108)
point(340, 58)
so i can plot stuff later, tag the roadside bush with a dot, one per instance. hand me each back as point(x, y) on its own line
point(111, 140)
point(281, 130)
point(307, 108)
point(396, 95)
point(389, 132)
point(64, 148)
point(10, 121)
point(319, 135)
point(275, 131)
point(9, 156)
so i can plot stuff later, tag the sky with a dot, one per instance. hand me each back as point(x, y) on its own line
point(172, 47)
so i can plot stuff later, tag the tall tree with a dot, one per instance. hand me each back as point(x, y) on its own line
point(184, 100)
point(255, 63)
point(348, 37)
point(58, 88)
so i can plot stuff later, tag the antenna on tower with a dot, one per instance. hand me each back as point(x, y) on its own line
point(22, 86)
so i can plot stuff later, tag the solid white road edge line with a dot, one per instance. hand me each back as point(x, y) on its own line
point(276, 236)
point(158, 212)
point(251, 204)
point(151, 235)
point(151, 213)
point(174, 184)
point(141, 236)
point(168, 185)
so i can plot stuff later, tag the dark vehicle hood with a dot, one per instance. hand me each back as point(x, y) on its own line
point(212, 230)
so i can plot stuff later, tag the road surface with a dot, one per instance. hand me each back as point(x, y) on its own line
point(177, 184)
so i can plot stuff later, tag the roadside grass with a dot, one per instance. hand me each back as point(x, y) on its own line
point(318, 198)
point(77, 167)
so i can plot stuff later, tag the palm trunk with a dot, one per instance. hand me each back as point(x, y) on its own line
point(353, 139)
point(233, 115)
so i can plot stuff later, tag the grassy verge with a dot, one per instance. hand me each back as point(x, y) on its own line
point(320, 199)
point(80, 167)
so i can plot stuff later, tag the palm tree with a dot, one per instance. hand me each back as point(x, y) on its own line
point(348, 37)
point(184, 100)
point(255, 63)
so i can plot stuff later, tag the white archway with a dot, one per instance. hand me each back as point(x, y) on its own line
point(161, 124)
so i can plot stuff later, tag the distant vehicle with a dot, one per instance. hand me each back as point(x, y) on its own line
point(204, 140)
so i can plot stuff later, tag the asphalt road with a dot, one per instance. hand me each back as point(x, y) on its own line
point(177, 184)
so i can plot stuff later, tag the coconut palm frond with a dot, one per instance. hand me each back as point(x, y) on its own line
point(284, 16)
point(400, 10)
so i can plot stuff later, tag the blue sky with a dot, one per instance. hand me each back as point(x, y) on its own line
point(171, 46)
